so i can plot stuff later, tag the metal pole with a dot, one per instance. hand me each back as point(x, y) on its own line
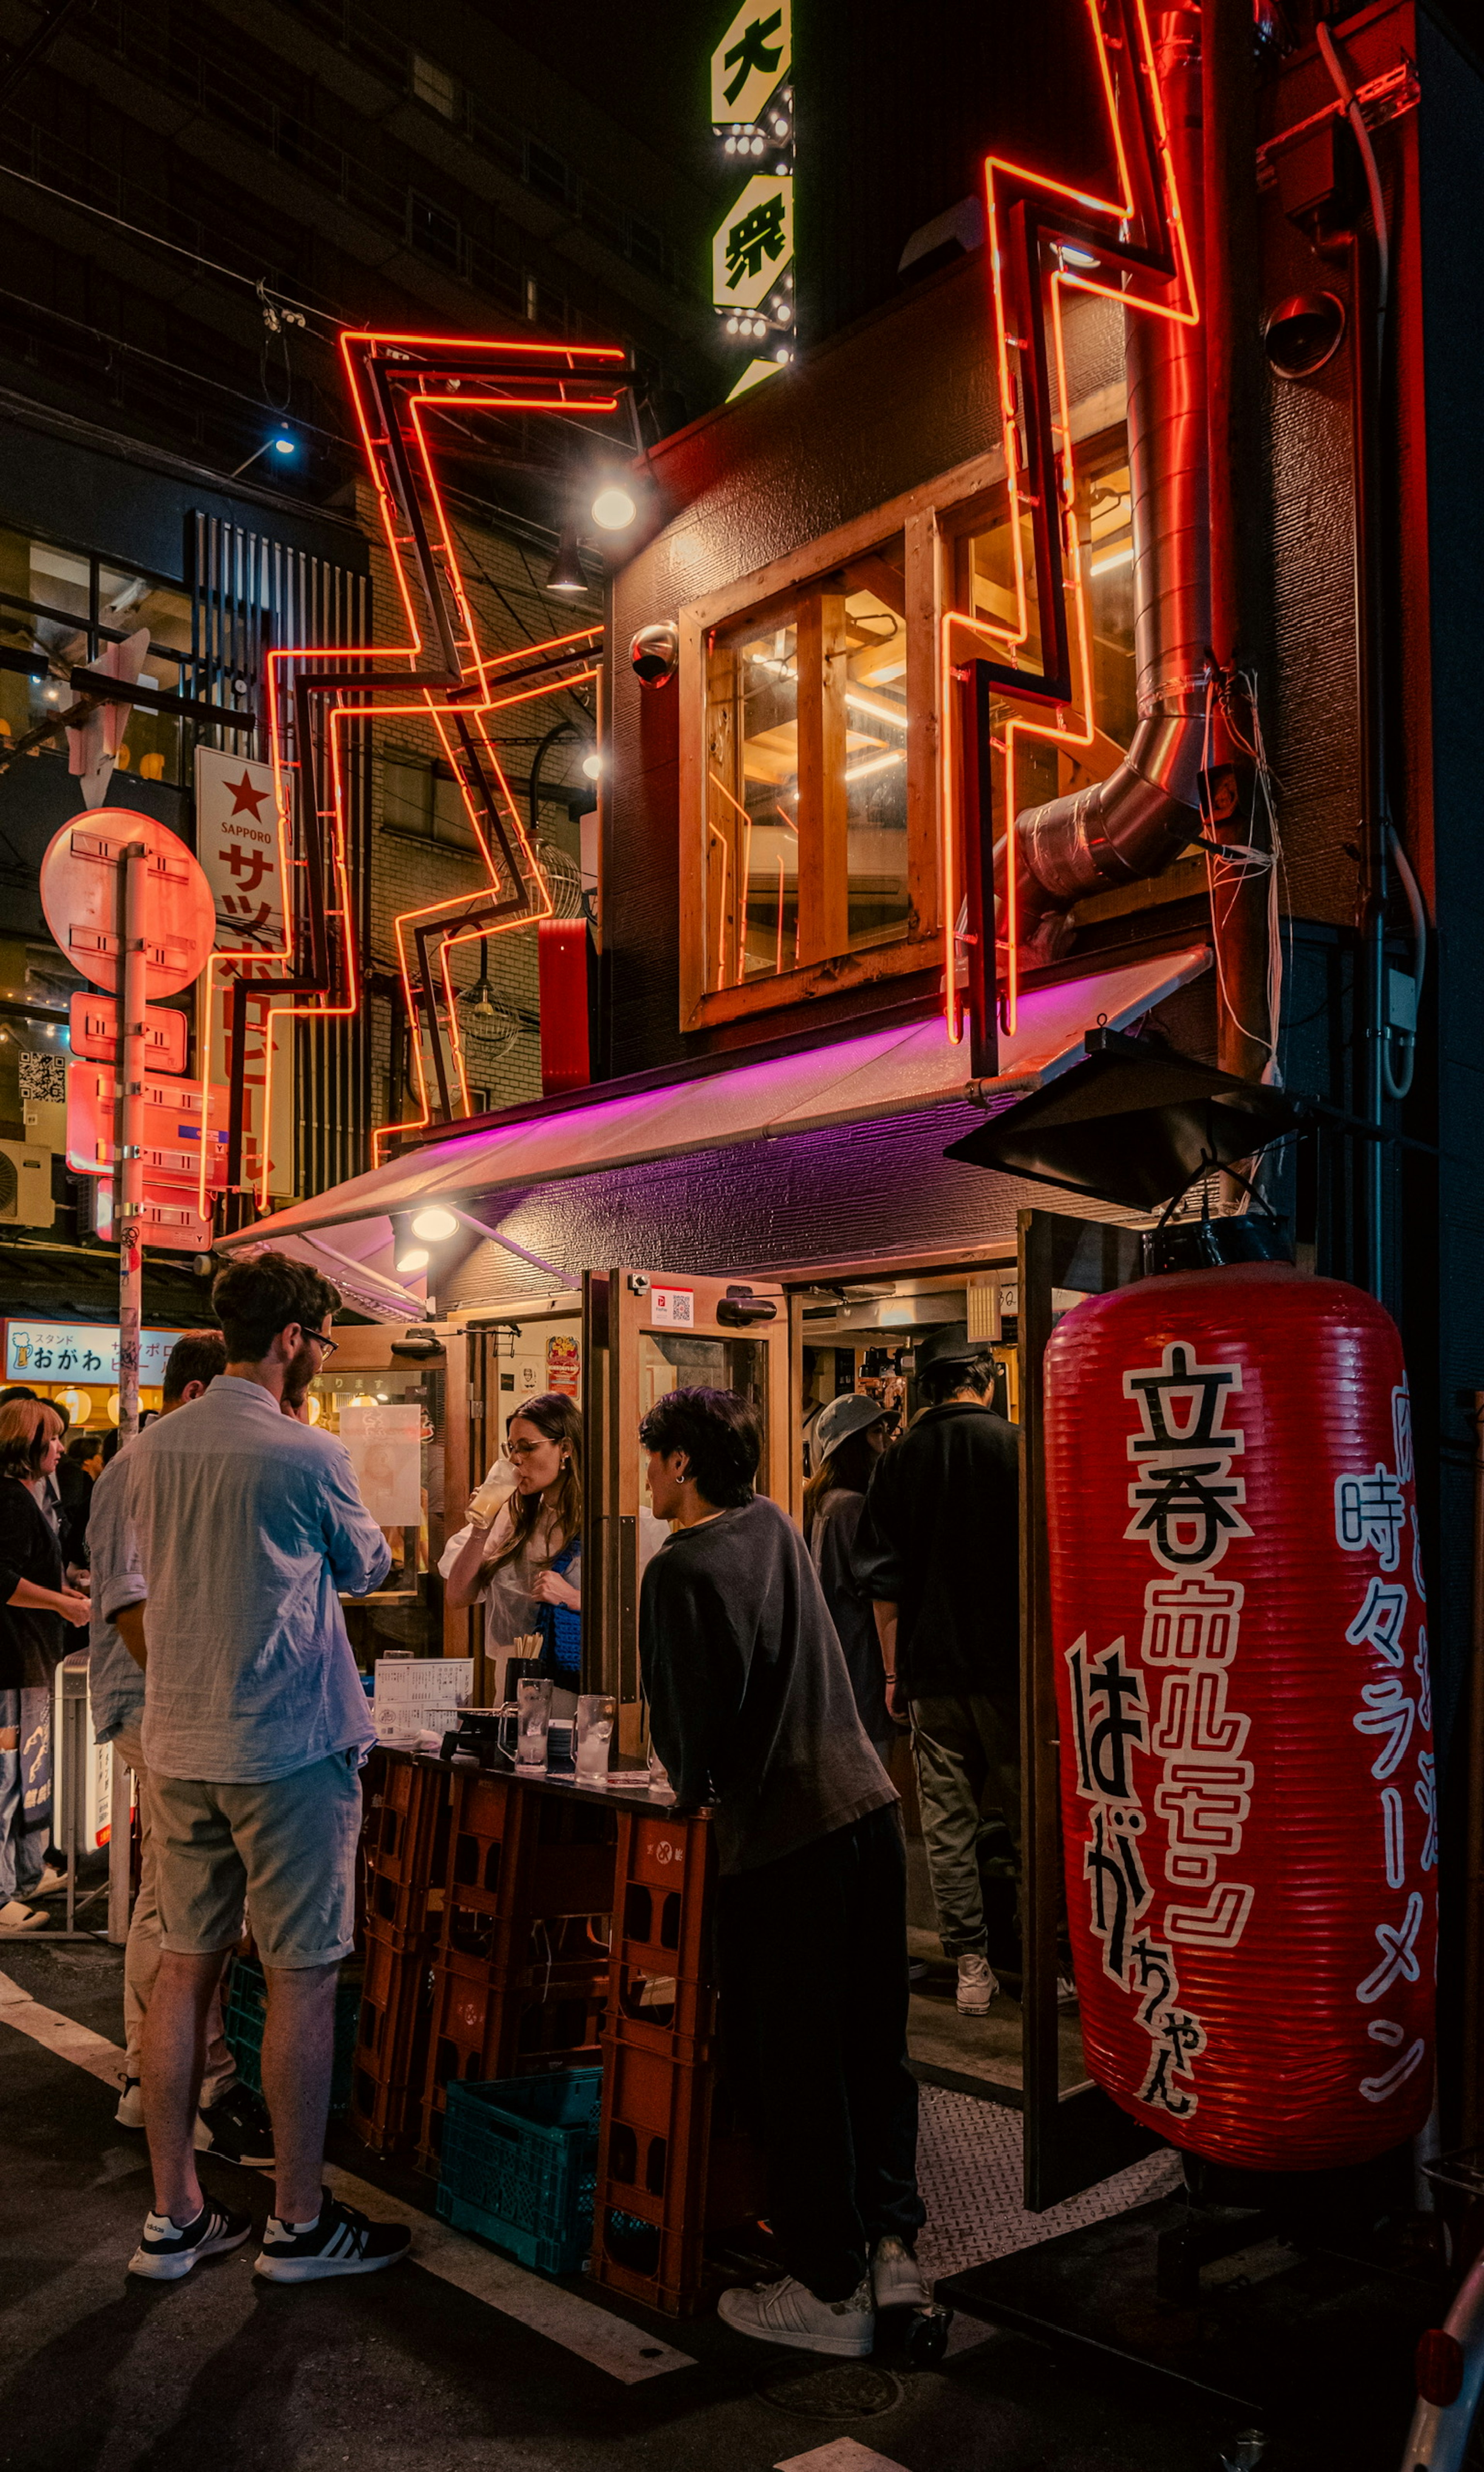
point(129, 1180)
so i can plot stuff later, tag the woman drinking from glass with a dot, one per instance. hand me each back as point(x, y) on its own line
point(526, 1560)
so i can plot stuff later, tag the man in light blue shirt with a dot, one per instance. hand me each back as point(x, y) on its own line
point(246, 1525)
point(233, 2121)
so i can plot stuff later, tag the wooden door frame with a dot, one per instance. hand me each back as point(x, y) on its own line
point(1081, 2137)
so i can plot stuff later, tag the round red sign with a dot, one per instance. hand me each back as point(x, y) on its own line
point(82, 896)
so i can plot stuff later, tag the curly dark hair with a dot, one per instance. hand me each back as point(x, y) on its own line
point(197, 1356)
point(721, 1436)
point(254, 1299)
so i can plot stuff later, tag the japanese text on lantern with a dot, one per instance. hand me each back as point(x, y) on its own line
point(1186, 1505)
point(1371, 1513)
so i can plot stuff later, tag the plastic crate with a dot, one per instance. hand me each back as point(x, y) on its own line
point(245, 2007)
point(520, 2164)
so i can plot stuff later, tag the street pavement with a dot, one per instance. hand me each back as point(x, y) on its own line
point(461, 2360)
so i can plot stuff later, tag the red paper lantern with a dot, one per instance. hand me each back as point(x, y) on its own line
point(1248, 1803)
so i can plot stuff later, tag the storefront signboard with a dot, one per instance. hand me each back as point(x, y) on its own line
point(60, 1351)
point(237, 837)
point(750, 62)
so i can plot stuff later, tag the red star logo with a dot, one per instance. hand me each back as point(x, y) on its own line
point(246, 798)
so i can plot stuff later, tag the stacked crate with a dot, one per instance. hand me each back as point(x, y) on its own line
point(671, 2163)
point(520, 1970)
point(403, 1846)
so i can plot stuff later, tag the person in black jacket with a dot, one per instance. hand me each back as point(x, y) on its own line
point(849, 1433)
point(752, 1712)
point(938, 1549)
point(33, 1606)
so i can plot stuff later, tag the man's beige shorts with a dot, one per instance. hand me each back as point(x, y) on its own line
point(286, 1845)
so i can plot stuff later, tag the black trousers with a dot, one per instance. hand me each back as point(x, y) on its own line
point(812, 1966)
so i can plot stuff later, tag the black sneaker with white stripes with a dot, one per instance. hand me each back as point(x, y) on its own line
point(168, 2250)
point(237, 2129)
point(339, 2241)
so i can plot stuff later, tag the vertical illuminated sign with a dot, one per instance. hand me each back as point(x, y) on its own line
point(752, 249)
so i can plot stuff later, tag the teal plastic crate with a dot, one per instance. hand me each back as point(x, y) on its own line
point(520, 2165)
point(245, 2007)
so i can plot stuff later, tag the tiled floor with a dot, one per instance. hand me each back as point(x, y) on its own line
point(969, 2165)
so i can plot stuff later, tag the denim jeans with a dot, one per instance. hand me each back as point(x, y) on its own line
point(23, 1714)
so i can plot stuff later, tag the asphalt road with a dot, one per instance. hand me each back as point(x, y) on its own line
point(438, 2365)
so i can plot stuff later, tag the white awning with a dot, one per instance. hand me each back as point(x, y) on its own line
point(882, 1073)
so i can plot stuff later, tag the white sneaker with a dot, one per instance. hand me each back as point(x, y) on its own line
point(131, 2110)
point(1065, 1992)
point(977, 1985)
point(18, 1917)
point(896, 2277)
point(788, 2313)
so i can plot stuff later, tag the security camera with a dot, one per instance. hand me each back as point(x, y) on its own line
point(654, 653)
point(1302, 335)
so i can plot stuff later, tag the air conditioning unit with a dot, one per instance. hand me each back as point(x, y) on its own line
point(26, 1186)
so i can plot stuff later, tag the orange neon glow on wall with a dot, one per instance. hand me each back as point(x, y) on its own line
point(439, 672)
point(1132, 249)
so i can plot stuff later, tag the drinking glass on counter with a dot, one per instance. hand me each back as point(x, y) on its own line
point(533, 1707)
point(659, 1776)
point(597, 1715)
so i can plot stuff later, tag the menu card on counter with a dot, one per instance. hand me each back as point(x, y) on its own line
point(420, 1694)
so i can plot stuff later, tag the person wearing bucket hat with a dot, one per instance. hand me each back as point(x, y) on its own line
point(938, 1550)
point(849, 1436)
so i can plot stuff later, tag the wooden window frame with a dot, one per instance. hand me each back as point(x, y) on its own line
point(827, 964)
point(928, 518)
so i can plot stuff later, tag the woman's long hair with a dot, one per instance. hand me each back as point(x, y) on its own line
point(560, 1420)
point(849, 1467)
point(26, 1427)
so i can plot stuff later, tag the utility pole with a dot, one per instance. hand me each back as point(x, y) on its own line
point(128, 1172)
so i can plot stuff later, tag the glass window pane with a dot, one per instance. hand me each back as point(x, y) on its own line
point(752, 763)
point(873, 662)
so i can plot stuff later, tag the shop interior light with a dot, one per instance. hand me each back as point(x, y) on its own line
point(874, 764)
point(432, 1226)
point(565, 573)
point(1111, 558)
point(613, 508)
point(413, 1257)
point(592, 766)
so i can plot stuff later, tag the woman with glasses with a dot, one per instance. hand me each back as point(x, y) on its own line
point(525, 1559)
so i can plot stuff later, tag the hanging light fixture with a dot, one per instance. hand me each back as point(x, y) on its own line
point(565, 573)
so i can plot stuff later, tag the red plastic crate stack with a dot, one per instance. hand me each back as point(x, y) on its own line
point(671, 2164)
point(520, 1972)
point(403, 1847)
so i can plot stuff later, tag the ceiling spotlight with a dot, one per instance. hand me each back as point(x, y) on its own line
point(613, 508)
point(284, 445)
point(433, 1225)
point(592, 766)
point(413, 1257)
point(565, 573)
point(1078, 257)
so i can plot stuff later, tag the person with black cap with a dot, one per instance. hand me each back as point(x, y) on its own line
point(938, 1552)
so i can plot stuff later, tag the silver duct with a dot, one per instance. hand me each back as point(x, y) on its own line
point(1136, 821)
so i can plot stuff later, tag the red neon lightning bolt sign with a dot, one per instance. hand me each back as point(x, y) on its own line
point(1047, 239)
point(400, 386)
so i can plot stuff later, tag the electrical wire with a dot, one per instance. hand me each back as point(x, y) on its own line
point(177, 248)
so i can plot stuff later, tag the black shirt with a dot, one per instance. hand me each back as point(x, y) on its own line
point(939, 1539)
point(832, 1541)
point(31, 1640)
point(750, 1703)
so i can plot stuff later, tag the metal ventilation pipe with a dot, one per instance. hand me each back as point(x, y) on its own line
point(1136, 821)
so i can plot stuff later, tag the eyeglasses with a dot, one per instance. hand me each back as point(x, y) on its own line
point(326, 1347)
point(524, 1450)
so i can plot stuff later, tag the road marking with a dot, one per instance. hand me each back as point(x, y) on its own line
point(608, 2342)
point(840, 2455)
